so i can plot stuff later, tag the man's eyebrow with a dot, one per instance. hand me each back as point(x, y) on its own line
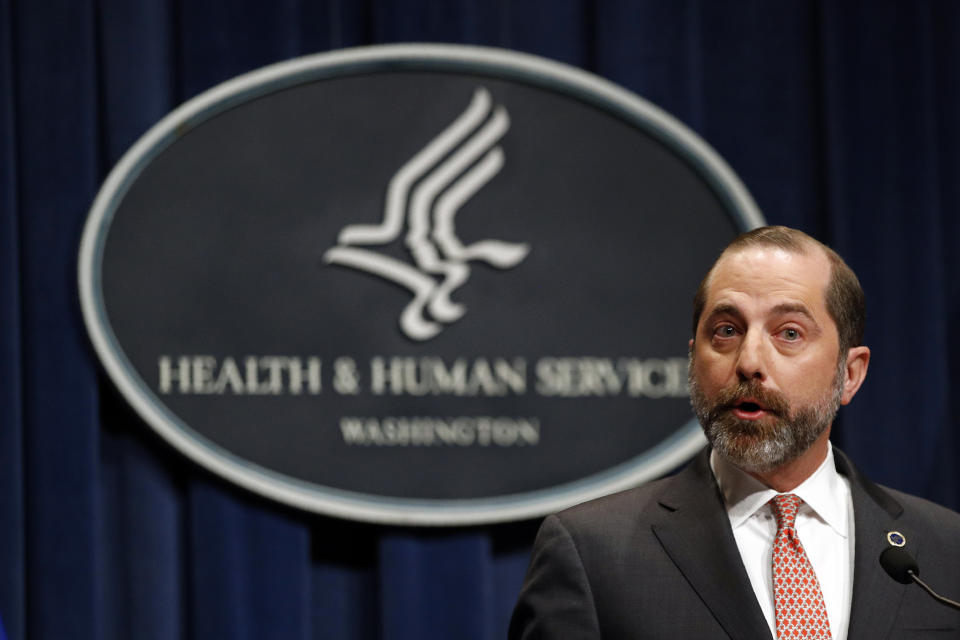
point(727, 309)
point(794, 307)
point(724, 309)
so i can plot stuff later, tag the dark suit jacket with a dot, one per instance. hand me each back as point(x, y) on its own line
point(660, 561)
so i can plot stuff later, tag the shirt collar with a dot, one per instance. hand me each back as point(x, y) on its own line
point(824, 492)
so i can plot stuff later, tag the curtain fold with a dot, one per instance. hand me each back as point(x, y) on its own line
point(841, 118)
point(12, 533)
point(57, 175)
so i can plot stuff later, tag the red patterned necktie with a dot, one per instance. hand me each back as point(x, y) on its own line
point(799, 605)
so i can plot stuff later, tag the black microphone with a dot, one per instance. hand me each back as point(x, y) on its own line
point(901, 566)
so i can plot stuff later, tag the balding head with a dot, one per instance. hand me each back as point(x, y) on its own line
point(844, 296)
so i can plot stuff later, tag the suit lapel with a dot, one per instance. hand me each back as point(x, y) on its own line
point(695, 532)
point(876, 596)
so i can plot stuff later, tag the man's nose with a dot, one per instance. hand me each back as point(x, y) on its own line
point(751, 360)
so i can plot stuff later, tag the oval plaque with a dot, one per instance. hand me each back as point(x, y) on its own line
point(412, 284)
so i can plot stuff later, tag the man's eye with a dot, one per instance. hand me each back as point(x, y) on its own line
point(725, 331)
point(791, 334)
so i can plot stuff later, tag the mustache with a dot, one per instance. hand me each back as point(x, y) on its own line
point(772, 401)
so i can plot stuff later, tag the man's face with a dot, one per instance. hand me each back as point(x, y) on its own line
point(765, 377)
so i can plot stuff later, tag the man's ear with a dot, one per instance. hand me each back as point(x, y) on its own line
point(858, 359)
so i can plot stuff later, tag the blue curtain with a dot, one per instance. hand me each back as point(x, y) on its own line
point(841, 117)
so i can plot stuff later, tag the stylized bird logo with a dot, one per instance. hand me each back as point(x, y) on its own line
point(430, 188)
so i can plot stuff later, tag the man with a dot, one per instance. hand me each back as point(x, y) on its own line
point(778, 324)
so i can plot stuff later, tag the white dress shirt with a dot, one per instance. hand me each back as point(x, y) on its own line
point(824, 525)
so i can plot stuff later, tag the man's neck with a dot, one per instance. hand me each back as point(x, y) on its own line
point(791, 475)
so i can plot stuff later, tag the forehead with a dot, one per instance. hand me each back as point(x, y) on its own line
point(770, 275)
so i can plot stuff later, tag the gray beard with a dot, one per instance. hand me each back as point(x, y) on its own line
point(760, 448)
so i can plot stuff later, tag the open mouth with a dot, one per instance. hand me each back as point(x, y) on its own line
point(749, 409)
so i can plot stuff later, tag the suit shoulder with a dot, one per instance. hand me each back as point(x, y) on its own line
point(613, 512)
point(926, 512)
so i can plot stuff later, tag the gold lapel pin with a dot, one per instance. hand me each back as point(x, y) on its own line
point(896, 538)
